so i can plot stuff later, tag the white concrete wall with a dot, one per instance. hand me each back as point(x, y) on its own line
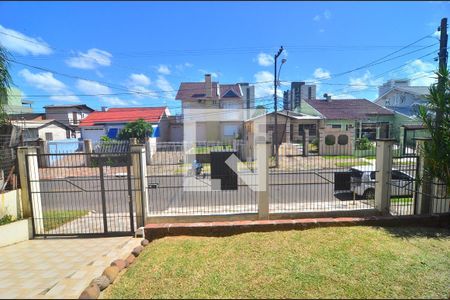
point(59, 132)
point(10, 203)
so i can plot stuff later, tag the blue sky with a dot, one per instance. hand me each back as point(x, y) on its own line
point(137, 53)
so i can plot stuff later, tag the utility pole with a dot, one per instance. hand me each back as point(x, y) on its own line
point(275, 83)
point(443, 57)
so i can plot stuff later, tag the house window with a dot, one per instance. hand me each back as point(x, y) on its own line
point(49, 136)
point(230, 129)
point(311, 127)
point(348, 127)
point(214, 102)
point(74, 118)
point(337, 126)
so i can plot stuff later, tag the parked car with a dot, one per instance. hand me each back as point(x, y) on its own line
point(362, 182)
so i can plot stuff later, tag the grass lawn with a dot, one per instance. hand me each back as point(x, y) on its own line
point(352, 163)
point(403, 200)
point(334, 262)
point(55, 218)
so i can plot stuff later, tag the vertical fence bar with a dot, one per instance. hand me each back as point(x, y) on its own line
point(102, 189)
point(383, 175)
point(88, 151)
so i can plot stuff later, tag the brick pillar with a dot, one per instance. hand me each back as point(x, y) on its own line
point(139, 173)
point(383, 169)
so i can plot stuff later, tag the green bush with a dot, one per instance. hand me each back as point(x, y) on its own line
point(363, 144)
point(6, 219)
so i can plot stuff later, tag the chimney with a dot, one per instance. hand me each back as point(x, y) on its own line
point(104, 108)
point(327, 97)
point(208, 85)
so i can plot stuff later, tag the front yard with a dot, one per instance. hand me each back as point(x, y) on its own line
point(338, 262)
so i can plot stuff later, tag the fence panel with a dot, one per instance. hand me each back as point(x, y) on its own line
point(323, 183)
point(174, 188)
point(83, 194)
point(403, 184)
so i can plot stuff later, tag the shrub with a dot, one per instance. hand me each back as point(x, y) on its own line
point(363, 144)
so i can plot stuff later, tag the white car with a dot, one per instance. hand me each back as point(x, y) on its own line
point(362, 182)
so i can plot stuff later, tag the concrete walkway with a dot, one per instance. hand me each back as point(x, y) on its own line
point(57, 268)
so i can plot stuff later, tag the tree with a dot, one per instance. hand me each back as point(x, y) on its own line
point(435, 116)
point(5, 83)
point(138, 129)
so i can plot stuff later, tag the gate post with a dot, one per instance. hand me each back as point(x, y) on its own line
point(423, 195)
point(88, 151)
point(30, 188)
point(383, 175)
point(262, 160)
point(305, 142)
point(139, 171)
point(43, 149)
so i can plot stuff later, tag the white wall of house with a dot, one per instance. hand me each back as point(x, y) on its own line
point(93, 133)
point(399, 99)
point(55, 131)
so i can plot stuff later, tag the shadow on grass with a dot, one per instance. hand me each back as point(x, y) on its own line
point(347, 196)
point(418, 232)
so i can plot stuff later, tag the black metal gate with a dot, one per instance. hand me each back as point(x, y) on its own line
point(82, 193)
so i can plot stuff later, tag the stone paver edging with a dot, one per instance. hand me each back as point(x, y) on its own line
point(111, 273)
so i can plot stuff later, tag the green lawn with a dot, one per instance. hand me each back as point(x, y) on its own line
point(403, 200)
point(352, 163)
point(334, 262)
point(55, 218)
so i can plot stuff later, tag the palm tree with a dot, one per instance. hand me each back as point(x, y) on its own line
point(5, 83)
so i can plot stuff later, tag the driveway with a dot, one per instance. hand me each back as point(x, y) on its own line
point(57, 268)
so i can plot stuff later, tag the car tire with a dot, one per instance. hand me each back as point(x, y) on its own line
point(369, 194)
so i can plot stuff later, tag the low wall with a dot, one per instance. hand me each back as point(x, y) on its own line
point(10, 203)
point(15, 232)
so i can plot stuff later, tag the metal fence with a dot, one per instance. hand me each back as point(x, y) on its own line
point(8, 161)
point(65, 146)
point(112, 146)
point(82, 194)
point(321, 183)
point(174, 187)
point(403, 184)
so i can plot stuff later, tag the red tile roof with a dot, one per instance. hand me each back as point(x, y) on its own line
point(348, 109)
point(124, 115)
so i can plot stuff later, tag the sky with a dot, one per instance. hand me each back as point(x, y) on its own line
point(137, 53)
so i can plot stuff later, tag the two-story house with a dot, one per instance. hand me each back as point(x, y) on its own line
point(401, 97)
point(70, 115)
point(212, 95)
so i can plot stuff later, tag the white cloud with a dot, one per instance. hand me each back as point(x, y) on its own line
point(17, 42)
point(265, 59)
point(363, 82)
point(437, 34)
point(325, 15)
point(45, 81)
point(420, 72)
point(114, 101)
point(188, 65)
point(139, 79)
point(264, 85)
point(90, 60)
point(320, 73)
point(164, 85)
point(213, 74)
point(164, 70)
point(92, 87)
point(181, 67)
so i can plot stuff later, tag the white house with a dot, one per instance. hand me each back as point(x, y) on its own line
point(70, 115)
point(401, 97)
point(48, 130)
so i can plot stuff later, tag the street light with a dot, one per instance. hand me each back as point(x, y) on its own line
point(275, 83)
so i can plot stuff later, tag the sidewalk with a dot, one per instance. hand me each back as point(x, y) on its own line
point(57, 268)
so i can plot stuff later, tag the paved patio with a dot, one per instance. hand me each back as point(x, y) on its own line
point(57, 268)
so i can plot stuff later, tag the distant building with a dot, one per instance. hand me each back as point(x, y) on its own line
point(212, 95)
point(299, 91)
point(110, 122)
point(401, 97)
point(15, 104)
point(47, 130)
point(70, 115)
